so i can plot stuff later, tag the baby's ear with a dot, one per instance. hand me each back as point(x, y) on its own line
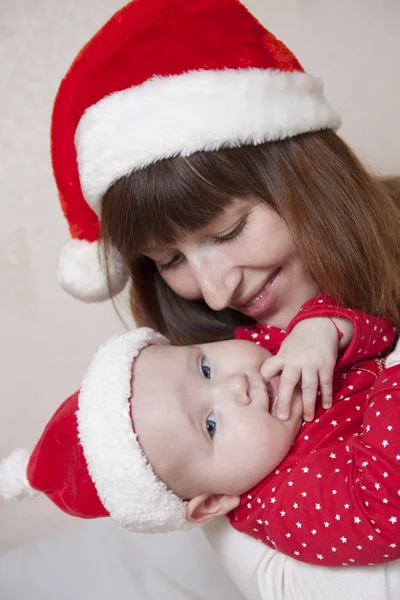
point(207, 506)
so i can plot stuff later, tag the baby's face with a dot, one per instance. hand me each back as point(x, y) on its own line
point(204, 417)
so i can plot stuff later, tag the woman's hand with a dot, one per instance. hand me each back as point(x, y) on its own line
point(307, 357)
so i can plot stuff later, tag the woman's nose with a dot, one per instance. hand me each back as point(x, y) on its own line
point(240, 389)
point(217, 282)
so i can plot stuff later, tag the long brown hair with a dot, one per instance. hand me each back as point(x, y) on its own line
point(344, 220)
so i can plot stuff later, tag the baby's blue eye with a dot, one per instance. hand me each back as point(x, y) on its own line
point(205, 368)
point(211, 425)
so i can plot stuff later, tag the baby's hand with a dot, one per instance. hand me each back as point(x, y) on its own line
point(307, 356)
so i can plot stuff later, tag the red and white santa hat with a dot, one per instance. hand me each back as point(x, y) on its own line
point(165, 78)
point(88, 460)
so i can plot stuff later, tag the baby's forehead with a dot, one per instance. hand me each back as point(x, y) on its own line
point(158, 367)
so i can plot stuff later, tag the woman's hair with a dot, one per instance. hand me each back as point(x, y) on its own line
point(344, 221)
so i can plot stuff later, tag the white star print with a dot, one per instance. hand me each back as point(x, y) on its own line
point(343, 539)
point(385, 443)
point(304, 494)
point(357, 520)
point(333, 549)
point(273, 500)
point(320, 556)
point(319, 475)
point(295, 505)
point(290, 483)
point(334, 492)
point(389, 428)
point(393, 520)
point(337, 517)
point(299, 525)
point(313, 531)
point(305, 469)
point(388, 396)
point(283, 513)
point(288, 535)
point(254, 335)
point(334, 423)
point(359, 547)
point(317, 507)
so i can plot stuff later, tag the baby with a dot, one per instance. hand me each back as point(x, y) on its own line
point(162, 437)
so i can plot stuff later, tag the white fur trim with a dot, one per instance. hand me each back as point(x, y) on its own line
point(125, 482)
point(198, 110)
point(14, 484)
point(81, 274)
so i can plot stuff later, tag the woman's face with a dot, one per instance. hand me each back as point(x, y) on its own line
point(245, 259)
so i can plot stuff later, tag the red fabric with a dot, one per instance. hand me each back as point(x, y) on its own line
point(335, 499)
point(57, 466)
point(143, 39)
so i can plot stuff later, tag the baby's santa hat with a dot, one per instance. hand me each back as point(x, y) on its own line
point(88, 460)
point(167, 78)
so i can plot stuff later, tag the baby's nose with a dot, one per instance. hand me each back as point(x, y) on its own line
point(240, 388)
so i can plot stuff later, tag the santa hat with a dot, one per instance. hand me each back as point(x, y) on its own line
point(165, 78)
point(88, 460)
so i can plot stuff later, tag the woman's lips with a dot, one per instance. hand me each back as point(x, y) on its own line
point(261, 297)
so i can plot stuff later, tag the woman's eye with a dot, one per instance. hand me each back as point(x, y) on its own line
point(205, 368)
point(211, 425)
point(238, 230)
point(171, 264)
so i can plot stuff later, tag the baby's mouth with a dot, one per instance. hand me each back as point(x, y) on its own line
point(272, 391)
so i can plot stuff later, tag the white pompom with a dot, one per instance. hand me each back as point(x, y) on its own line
point(14, 484)
point(81, 274)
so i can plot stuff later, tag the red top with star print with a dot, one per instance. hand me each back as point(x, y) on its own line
point(335, 499)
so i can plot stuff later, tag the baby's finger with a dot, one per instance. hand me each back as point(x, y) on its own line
point(291, 375)
point(309, 388)
point(325, 383)
point(326, 393)
point(271, 367)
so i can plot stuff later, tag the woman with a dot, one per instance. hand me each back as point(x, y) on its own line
point(225, 197)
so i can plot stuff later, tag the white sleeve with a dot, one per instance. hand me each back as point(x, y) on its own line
point(394, 357)
point(261, 573)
